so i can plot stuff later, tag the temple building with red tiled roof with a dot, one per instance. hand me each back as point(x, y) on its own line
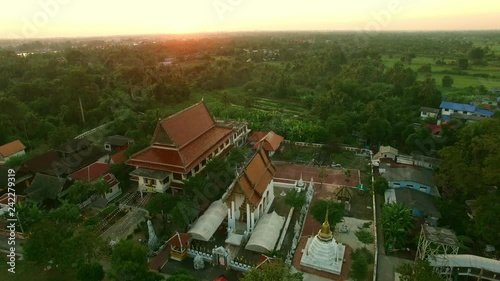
point(246, 200)
point(181, 147)
point(270, 141)
point(252, 193)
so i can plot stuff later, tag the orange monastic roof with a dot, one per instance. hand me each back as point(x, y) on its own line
point(255, 178)
point(182, 141)
point(270, 141)
point(11, 148)
point(179, 240)
point(184, 126)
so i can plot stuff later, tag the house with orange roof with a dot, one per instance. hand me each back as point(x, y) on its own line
point(11, 149)
point(182, 145)
point(270, 141)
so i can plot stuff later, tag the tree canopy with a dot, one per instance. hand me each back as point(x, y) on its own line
point(335, 211)
point(418, 271)
point(276, 270)
point(397, 222)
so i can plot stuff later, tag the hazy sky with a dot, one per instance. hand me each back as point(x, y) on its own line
point(54, 18)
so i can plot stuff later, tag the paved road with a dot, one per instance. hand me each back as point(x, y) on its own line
point(125, 226)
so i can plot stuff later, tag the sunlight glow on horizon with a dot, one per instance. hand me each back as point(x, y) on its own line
point(72, 18)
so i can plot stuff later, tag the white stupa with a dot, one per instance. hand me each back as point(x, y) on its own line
point(322, 252)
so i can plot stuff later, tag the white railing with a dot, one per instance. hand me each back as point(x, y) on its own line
point(92, 131)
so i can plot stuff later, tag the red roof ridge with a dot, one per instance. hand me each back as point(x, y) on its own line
point(179, 240)
point(188, 108)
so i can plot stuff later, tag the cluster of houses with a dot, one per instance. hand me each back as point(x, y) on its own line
point(47, 178)
point(411, 183)
point(410, 180)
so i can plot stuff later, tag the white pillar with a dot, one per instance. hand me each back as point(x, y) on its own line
point(248, 218)
point(252, 218)
point(233, 209)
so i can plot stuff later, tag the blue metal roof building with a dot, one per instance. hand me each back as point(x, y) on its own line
point(465, 108)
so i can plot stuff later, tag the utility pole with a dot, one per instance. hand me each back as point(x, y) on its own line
point(81, 109)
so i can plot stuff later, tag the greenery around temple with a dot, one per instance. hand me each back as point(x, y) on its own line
point(336, 211)
point(333, 91)
point(275, 270)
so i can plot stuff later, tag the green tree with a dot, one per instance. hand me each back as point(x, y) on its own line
point(486, 223)
point(237, 156)
point(418, 271)
point(380, 185)
point(129, 262)
point(276, 270)
point(397, 222)
point(361, 258)
point(447, 81)
point(295, 199)
point(477, 55)
point(160, 205)
point(426, 68)
point(90, 272)
point(335, 211)
point(463, 64)
point(365, 237)
point(29, 213)
point(180, 275)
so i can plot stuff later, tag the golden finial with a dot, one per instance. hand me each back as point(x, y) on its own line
point(325, 231)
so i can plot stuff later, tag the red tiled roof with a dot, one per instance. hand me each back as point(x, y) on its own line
point(255, 177)
point(119, 157)
point(91, 172)
point(435, 129)
point(221, 278)
point(179, 240)
point(256, 136)
point(11, 148)
point(4, 199)
point(263, 259)
point(184, 126)
point(110, 179)
point(170, 158)
point(271, 142)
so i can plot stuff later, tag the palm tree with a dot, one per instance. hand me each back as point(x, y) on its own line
point(397, 224)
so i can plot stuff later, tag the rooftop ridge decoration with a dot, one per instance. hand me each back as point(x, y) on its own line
point(249, 185)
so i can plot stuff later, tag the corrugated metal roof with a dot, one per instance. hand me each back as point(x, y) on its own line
point(467, 261)
point(466, 108)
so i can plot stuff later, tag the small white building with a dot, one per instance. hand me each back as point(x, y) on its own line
point(383, 153)
point(427, 112)
point(11, 149)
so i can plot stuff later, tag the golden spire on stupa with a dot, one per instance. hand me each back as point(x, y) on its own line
point(325, 231)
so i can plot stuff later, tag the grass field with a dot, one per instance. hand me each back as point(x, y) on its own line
point(457, 92)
